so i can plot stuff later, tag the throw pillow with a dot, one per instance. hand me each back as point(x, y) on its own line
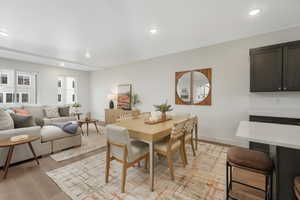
point(6, 122)
point(64, 111)
point(22, 121)
point(21, 112)
point(51, 112)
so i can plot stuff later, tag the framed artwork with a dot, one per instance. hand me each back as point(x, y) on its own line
point(124, 97)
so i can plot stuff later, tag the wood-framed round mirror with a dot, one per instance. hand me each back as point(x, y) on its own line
point(193, 87)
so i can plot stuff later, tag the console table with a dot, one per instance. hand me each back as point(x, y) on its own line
point(111, 115)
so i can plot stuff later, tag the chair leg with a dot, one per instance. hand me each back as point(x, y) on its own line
point(193, 148)
point(185, 156)
point(182, 155)
point(146, 162)
point(124, 172)
point(107, 163)
point(139, 164)
point(267, 187)
point(170, 164)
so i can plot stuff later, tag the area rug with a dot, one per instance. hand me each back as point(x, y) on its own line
point(92, 142)
point(203, 178)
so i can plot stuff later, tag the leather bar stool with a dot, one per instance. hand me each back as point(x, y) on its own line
point(253, 161)
point(297, 187)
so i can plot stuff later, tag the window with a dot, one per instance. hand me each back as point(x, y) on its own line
point(25, 98)
point(23, 79)
point(9, 98)
point(67, 90)
point(17, 87)
point(59, 84)
point(17, 98)
point(59, 98)
point(3, 78)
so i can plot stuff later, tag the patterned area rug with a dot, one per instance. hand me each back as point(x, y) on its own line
point(90, 143)
point(203, 178)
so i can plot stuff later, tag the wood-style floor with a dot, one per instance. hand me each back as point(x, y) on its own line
point(27, 181)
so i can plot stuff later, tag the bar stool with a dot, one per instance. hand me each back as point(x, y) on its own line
point(297, 187)
point(252, 161)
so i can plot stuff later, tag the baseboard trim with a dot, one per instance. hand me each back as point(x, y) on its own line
point(225, 141)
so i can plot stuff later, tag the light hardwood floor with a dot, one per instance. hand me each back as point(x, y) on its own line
point(27, 181)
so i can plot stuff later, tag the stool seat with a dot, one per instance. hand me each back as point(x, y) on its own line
point(250, 159)
point(297, 187)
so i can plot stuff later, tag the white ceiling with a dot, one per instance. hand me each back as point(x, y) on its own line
point(116, 31)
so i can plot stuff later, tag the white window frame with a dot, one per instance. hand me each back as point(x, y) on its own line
point(64, 91)
point(4, 73)
point(23, 75)
point(12, 93)
point(22, 97)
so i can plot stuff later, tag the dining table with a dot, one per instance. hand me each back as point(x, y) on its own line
point(149, 133)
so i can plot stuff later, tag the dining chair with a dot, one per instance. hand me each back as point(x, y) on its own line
point(124, 150)
point(188, 135)
point(171, 144)
point(125, 116)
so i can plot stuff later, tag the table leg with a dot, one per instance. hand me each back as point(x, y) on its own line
point(151, 151)
point(196, 135)
point(87, 129)
point(8, 159)
point(96, 127)
point(33, 152)
point(80, 125)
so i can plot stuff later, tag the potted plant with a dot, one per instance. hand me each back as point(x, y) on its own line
point(163, 108)
point(76, 107)
point(135, 100)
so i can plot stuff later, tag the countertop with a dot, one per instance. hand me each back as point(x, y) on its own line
point(269, 133)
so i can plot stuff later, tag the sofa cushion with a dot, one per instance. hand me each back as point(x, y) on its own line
point(35, 111)
point(6, 122)
point(59, 119)
point(51, 112)
point(64, 111)
point(22, 121)
point(50, 133)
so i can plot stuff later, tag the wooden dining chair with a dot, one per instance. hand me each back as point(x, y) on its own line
point(122, 149)
point(125, 116)
point(188, 135)
point(174, 143)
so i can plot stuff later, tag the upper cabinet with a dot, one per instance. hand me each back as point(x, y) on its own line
point(275, 68)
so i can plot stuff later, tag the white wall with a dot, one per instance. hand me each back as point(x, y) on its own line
point(47, 81)
point(154, 81)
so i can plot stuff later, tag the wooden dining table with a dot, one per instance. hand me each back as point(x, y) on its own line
point(149, 134)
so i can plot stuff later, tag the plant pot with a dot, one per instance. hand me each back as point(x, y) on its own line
point(163, 116)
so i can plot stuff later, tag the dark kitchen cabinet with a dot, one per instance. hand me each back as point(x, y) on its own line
point(275, 68)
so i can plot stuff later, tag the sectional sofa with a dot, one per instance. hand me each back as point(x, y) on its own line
point(53, 139)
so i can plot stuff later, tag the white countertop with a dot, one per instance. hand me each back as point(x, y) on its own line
point(284, 113)
point(269, 133)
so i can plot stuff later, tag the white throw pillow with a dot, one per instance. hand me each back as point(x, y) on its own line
point(51, 112)
point(6, 122)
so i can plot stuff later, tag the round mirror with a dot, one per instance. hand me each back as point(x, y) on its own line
point(184, 87)
point(201, 87)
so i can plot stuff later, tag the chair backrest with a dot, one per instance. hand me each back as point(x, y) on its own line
point(118, 136)
point(189, 126)
point(125, 116)
point(178, 130)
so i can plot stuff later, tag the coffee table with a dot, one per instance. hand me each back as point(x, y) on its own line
point(87, 122)
point(11, 145)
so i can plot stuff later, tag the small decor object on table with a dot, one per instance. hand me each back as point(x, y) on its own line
point(76, 107)
point(163, 108)
point(135, 101)
point(14, 141)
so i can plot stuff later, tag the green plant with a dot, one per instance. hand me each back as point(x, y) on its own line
point(76, 105)
point(163, 107)
point(135, 99)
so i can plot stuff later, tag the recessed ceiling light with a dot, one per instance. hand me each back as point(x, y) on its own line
point(87, 55)
point(62, 64)
point(3, 34)
point(254, 12)
point(153, 31)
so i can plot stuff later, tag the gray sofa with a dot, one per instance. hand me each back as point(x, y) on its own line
point(53, 139)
